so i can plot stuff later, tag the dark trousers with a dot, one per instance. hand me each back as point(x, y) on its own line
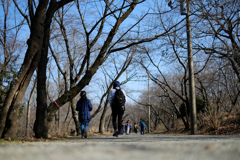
point(117, 114)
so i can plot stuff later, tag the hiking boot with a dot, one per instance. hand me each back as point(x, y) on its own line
point(85, 133)
point(115, 133)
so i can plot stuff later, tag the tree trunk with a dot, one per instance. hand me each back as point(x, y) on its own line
point(11, 122)
point(173, 120)
point(155, 123)
point(102, 120)
point(8, 115)
point(41, 87)
point(16, 87)
point(75, 116)
point(109, 122)
point(29, 109)
point(59, 115)
point(41, 96)
point(40, 122)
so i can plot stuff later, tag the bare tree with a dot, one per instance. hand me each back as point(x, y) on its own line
point(219, 25)
point(29, 108)
point(38, 19)
point(111, 39)
point(10, 47)
point(109, 46)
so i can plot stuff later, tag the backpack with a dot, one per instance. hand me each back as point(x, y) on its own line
point(142, 124)
point(119, 98)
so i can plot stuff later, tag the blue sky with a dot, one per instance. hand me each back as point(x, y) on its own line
point(133, 88)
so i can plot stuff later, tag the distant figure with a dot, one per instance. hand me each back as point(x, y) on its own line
point(84, 107)
point(135, 128)
point(117, 102)
point(128, 127)
point(142, 126)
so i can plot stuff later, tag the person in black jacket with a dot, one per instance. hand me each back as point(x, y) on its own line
point(117, 109)
point(84, 107)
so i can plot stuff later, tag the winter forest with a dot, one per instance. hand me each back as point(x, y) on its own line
point(53, 49)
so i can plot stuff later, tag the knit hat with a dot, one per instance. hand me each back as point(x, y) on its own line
point(116, 84)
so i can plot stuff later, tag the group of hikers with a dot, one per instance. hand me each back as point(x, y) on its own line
point(127, 128)
point(117, 101)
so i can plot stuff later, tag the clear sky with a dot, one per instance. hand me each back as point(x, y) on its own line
point(132, 88)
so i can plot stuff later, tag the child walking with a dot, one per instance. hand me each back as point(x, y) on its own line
point(135, 129)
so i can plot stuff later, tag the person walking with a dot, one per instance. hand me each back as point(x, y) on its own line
point(128, 127)
point(117, 102)
point(84, 106)
point(142, 125)
point(135, 128)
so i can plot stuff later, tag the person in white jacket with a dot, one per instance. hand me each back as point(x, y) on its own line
point(117, 102)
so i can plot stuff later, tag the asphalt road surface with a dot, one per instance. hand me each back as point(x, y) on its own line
point(128, 147)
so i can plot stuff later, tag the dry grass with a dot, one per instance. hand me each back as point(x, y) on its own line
point(227, 124)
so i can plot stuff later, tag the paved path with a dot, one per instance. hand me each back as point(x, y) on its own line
point(128, 147)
